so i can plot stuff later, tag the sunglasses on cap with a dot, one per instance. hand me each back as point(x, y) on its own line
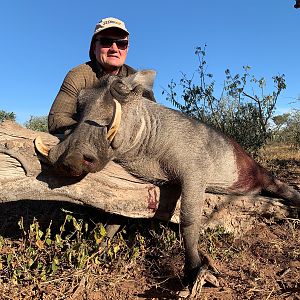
point(107, 43)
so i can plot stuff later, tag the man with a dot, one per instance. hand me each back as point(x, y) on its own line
point(108, 52)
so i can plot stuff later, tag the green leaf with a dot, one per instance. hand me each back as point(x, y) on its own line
point(48, 241)
point(102, 230)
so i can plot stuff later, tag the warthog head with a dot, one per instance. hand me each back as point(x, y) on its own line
point(89, 147)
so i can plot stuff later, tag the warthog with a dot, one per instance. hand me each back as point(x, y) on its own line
point(161, 145)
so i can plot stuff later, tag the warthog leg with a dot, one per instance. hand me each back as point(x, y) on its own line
point(196, 268)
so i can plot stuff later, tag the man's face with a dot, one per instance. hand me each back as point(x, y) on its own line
point(111, 55)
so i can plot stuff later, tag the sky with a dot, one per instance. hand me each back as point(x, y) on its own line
point(42, 40)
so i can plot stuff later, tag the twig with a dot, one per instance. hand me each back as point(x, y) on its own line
point(270, 294)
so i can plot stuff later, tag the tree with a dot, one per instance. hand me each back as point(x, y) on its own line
point(238, 113)
point(7, 116)
point(287, 128)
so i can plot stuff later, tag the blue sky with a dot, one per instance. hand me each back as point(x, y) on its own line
point(42, 40)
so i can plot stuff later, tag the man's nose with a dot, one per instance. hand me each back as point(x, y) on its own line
point(114, 46)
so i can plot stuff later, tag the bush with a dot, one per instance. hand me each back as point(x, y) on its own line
point(7, 116)
point(37, 123)
point(236, 112)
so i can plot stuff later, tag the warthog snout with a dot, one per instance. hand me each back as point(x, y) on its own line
point(78, 163)
point(79, 154)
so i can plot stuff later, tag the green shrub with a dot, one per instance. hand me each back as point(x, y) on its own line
point(37, 123)
point(236, 112)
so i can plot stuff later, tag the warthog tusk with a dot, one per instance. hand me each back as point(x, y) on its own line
point(115, 122)
point(41, 147)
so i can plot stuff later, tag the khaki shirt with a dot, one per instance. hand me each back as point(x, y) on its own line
point(63, 113)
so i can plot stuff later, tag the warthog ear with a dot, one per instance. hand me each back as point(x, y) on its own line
point(121, 88)
point(145, 78)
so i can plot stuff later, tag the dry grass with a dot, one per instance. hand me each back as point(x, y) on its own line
point(283, 161)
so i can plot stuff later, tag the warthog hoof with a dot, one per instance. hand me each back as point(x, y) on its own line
point(192, 291)
point(203, 276)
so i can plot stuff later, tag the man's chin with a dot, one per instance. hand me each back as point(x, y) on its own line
point(112, 68)
point(114, 61)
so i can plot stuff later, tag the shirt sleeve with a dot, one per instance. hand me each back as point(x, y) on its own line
point(62, 115)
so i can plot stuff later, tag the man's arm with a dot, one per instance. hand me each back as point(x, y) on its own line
point(62, 115)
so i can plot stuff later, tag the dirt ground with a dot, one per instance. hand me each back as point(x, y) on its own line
point(266, 265)
point(263, 264)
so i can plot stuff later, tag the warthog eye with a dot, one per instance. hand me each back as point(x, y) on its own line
point(119, 90)
point(93, 123)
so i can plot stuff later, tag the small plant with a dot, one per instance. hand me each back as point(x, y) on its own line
point(218, 243)
point(41, 253)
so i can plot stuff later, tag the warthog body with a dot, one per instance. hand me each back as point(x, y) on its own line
point(160, 145)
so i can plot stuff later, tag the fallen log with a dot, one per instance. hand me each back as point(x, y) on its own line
point(23, 176)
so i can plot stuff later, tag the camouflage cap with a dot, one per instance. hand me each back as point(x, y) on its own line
point(110, 23)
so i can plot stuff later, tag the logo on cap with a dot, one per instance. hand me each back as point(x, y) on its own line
point(110, 22)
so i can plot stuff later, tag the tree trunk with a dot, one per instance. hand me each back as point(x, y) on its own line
point(23, 176)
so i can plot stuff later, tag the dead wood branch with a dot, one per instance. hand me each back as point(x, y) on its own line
point(24, 177)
